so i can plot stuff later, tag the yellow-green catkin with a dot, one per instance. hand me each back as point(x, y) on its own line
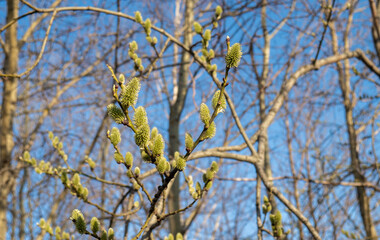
point(233, 56)
point(95, 225)
point(115, 113)
point(189, 142)
point(222, 102)
point(138, 17)
point(140, 117)
point(115, 136)
point(142, 135)
point(129, 94)
point(198, 28)
point(204, 113)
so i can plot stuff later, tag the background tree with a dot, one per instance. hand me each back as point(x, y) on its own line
point(304, 97)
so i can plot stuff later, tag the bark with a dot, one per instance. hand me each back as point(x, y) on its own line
point(375, 10)
point(7, 112)
point(176, 109)
point(345, 86)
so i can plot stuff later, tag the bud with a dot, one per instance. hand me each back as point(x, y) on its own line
point(137, 171)
point(110, 234)
point(211, 54)
point(159, 145)
point(214, 167)
point(210, 132)
point(180, 163)
point(161, 165)
point(154, 41)
point(133, 46)
point(26, 157)
point(204, 114)
point(76, 179)
point(198, 28)
point(189, 141)
point(103, 236)
point(208, 185)
point(42, 223)
point(78, 219)
point(115, 113)
point(136, 204)
point(218, 11)
point(121, 78)
point(95, 225)
point(154, 133)
point(209, 174)
point(118, 157)
point(51, 135)
point(115, 136)
point(179, 236)
point(140, 117)
point(84, 194)
point(138, 17)
point(223, 103)
point(147, 26)
point(128, 160)
point(142, 135)
point(233, 56)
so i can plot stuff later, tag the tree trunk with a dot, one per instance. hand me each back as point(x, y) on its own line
point(7, 112)
point(176, 108)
